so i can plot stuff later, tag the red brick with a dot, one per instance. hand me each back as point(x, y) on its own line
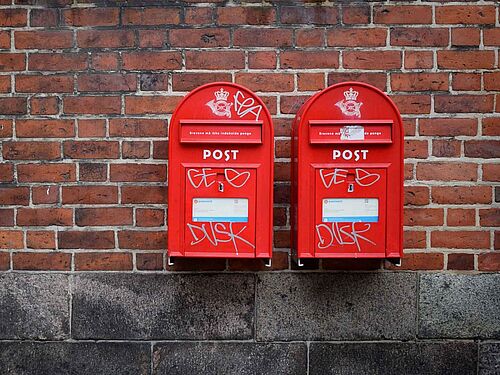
point(190, 81)
point(40, 240)
point(414, 240)
point(5, 39)
point(309, 15)
point(310, 37)
point(44, 17)
point(14, 196)
point(489, 262)
point(43, 39)
point(152, 38)
point(103, 262)
point(45, 194)
point(465, 59)
point(46, 172)
point(461, 239)
point(463, 103)
point(131, 127)
point(461, 262)
point(144, 194)
point(409, 126)
point(6, 172)
point(482, 149)
point(492, 81)
point(291, 104)
point(491, 37)
point(465, 36)
point(154, 82)
point(408, 171)
point(412, 104)
point(105, 61)
point(262, 15)
point(491, 172)
point(139, 240)
point(309, 59)
point(91, 16)
point(4, 261)
point(89, 194)
point(151, 16)
point(6, 217)
point(10, 62)
point(491, 126)
point(355, 14)
point(91, 128)
point(92, 104)
point(281, 82)
point(362, 37)
point(378, 80)
point(372, 60)
point(31, 150)
point(446, 148)
point(419, 81)
point(160, 104)
point(39, 83)
point(461, 194)
point(42, 261)
point(105, 38)
point(464, 15)
point(58, 61)
point(45, 128)
point(86, 239)
point(149, 261)
point(44, 105)
point(94, 172)
point(11, 239)
point(461, 217)
point(260, 37)
point(91, 150)
point(13, 17)
point(107, 82)
point(419, 37)
point(103, 216)
point(44, 216)
point(448, 127)
point(215, 60)
point(466, 81)
point(416, 149)
point(281, 171)
point(199, 38)
point(13, 106)
point(402, 14)
point(5, 128)
point(416, 195)
point(198, 15)
point(282, 239)
point(310, 81)
point(447, 171)
point(165, 60)
point(135, 150)
point(423, 216)
point(5, 84)
point(420, 262)
point(489, 217)
point(279, 216)
point(138, 172)
point(148, 217)
point(418, 59)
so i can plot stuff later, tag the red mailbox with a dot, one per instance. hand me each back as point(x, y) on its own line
point(220, 175)
point(347, 175)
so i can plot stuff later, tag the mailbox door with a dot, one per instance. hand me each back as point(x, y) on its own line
point(220, 211)
point(350, 211)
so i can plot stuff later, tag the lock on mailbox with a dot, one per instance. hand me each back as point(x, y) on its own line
point(220, 175)
point(347, 175)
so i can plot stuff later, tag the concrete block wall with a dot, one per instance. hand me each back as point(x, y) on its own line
point(87, 89)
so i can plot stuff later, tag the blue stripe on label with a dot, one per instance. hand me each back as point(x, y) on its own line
point(221, 219)
point(348, 219)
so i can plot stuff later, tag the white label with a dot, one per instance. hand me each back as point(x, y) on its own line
point(232, 210)
point(352, 133)
point(350, 210)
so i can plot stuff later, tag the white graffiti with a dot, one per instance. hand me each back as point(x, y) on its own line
point(244, 106)
point(339, 176)
point(342, 235)
point(206, 178)
point(219, 105)
point(349, 106)
point(218, 233)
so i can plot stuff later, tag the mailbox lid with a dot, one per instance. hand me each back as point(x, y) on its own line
point(350, 131)
point(221, 131)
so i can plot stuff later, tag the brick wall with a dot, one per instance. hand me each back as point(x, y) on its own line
point(86, 93)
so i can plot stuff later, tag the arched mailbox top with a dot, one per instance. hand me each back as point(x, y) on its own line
point(221, 107)
point(349, 106)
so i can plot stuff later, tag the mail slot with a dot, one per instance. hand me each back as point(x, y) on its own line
point(347, 175)
point(220, 175)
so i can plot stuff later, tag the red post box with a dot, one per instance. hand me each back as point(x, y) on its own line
point(347, 175)
point(220, 175)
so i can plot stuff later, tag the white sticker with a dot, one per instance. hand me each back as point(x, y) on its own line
point(337, 210)
point(232, 210)
point(352, 133)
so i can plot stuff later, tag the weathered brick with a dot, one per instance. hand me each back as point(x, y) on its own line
point(465, 59)
point(355, 14)
point(372, 60)
point(144, 194)
point(151, 16)
point(419, 262)
point(44, 216)
point(45, 194)
point(158, 104)
point(447, 127)
point(42, 261)
point(423, 216)
point(6, 217)
point(419, 82)
point(46, 172)
point(103, 216)
point(91, 149)
point(462, 262)
point(105, 61)
point(446, 148)
point(414, 239)
point(463, 15)
point(416, 195)
point(149, 261)
point(134, 127)
point(262, 15)
point(466, 81)
point(10, 62)
point(15, 195)
point(43, 39)
point(138, 172)
point(149, 217)
point(489, 217)
point(91, 16)
point(419, 37)
point(461, 194)
point(198, 15)
point(92, 104)
point(310, 15)
point(418, 59)
point(190, 81)
point(11, 239)
point(105, 38)
point(309, 59)
point(154, 82)
point(13, 17)
point(31, 150)
point(135, 149)
point(309, 38)
point(362, 37)
point(491, 37)
point(266, 81)
point(40, 239)
point(44, 17)
point(91, 128)
point(13, 106)
point(447, 171)
point(465, 36)
point(378, 80)
point(107, 82)
point(39, 83)
point(6, 172)
point(410, 14)
point(492, 81)
point(103, 262)
point(412, 104)
point(482, 149)
point(259, 37)
point(199, 38)
point(491, 126)
point(44, 105)
point(86, 239)
point(4, 261)
point(95, 172)
point(89, 194)
point(58, 61)
point(45, 128)
point(461, 239)
point(461, 217)
point(140, 240)
point(215, 60)
point(489, 261)
point(463, 103)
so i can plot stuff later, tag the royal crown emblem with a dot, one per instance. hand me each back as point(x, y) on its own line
point(349, 106)
point(219, 105)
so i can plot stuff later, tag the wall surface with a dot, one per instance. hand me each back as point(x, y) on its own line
point(87, 90)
